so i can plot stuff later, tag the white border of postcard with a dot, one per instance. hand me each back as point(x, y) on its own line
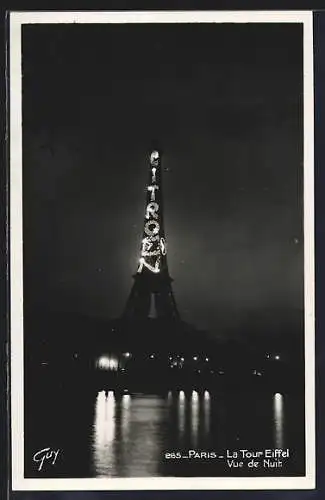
point(17, 19)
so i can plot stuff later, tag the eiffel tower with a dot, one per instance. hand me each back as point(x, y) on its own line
point(150, 326)
point(151, 295)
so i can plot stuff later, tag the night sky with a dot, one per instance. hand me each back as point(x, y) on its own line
point(224, 102)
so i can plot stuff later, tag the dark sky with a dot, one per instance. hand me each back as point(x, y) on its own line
point(225, 104)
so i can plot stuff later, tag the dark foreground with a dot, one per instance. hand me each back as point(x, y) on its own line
point(94, 431)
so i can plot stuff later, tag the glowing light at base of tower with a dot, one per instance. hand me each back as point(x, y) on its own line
point(107, 363)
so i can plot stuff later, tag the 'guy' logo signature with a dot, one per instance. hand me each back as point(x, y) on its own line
point(45, 455)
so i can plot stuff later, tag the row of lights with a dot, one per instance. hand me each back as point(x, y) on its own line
point(196, 358)
point(152, 356)
point(128, 355)
point(112, 363)
point(106, 363)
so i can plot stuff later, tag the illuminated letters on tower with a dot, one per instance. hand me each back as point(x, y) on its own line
point(151, 293)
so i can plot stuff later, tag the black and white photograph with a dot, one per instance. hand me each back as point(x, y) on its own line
point(162, 250)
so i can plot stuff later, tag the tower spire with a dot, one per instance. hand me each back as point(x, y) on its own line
point(152, 283)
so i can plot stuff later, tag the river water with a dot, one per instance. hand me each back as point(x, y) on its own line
point(104, 434)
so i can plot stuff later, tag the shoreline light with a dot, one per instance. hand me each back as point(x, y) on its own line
point(107, 363)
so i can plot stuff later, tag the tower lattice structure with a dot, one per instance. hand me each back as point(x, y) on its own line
point(151, 294)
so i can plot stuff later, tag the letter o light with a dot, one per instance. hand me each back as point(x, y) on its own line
point(148, 227)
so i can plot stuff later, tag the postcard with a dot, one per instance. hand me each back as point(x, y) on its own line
point(162, 250)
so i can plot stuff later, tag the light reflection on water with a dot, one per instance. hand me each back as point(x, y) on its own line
point(278, 419)
point(131, 433)
point(126, 435)
point(195, 417)
point(104, 433)
point(206, 412)
point(181, 413)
